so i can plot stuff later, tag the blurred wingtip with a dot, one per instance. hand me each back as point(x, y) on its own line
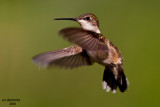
point(37, 63)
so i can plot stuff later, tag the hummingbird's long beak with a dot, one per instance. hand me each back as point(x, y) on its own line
point(73, 19)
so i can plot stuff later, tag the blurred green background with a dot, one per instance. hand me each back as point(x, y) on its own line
point(27, 28)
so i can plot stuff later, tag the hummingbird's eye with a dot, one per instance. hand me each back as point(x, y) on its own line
point(87, 18)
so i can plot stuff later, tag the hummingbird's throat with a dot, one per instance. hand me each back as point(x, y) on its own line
point(89, 26)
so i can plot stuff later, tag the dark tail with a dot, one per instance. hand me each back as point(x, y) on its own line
point(114, 77)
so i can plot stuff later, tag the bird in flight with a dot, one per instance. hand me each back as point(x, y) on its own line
point(90, 46)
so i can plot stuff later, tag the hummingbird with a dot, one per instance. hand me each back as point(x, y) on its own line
point(91, 46)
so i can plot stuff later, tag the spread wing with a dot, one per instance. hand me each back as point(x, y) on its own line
point(86, 39)
point(70, 57)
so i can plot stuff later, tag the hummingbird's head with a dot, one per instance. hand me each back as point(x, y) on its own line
point(87, 21)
